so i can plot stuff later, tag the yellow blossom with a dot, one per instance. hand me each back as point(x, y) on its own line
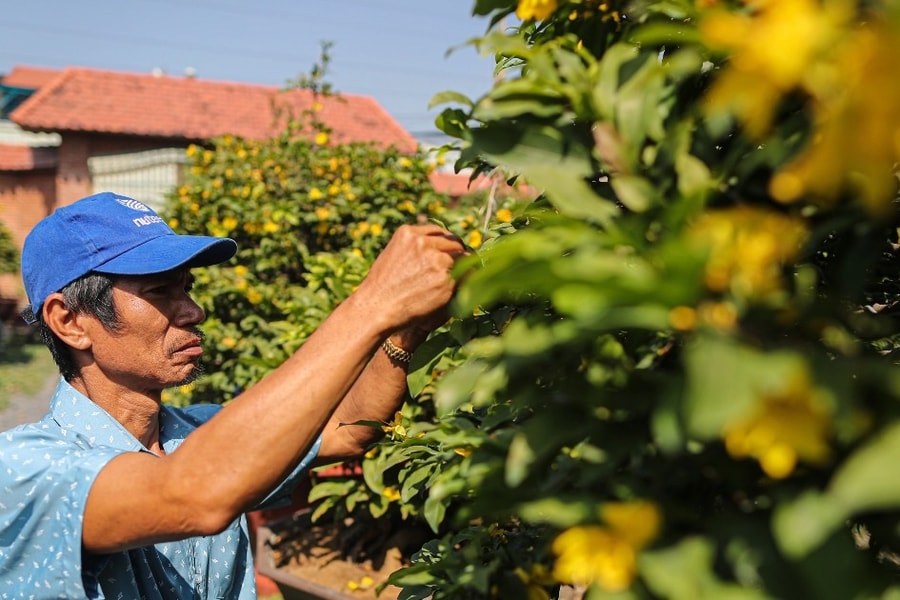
point(321, 138)
point(229, 342)
point(475, 239)
point(776, 48)
point(683, 318)
point(377, 229)
point(404, 162)
point(785, 426)
point(856, 116)
point(391, 493)
point(240, 270)
point(504, 215)
point(357, 252)
point(270, 227)
point(229, 223)
point(748, 248)
point(607, 555)
point(537, 579)
point(174, 223)
point(315, 194)
point(594, 554)
point(322, 212)
point(535, 9)
point(720, 315)
point(637, 521)
point(254, 297)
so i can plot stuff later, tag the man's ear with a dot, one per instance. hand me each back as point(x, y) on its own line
point(65, 323)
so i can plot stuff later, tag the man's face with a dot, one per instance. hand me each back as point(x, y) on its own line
point(157, 343)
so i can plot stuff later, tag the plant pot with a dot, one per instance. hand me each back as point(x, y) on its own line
point(290, 586)
point(326, 560)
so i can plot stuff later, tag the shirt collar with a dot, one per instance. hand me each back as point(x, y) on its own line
point(76, 414)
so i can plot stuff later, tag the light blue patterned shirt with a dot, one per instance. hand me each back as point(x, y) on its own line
point(46, 471)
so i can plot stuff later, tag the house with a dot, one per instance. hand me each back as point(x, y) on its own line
point(67, 133)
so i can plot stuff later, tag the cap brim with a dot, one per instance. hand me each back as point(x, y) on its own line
point(168, 252)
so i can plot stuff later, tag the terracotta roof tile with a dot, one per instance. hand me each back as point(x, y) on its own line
point(457, 184)
point(29, 77)
point(90, 100)
point(25, 158)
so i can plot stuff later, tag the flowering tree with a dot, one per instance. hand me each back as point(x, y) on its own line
point(673, 375)
point(9, 255)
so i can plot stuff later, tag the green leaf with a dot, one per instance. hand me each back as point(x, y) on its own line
point(450, 97)
point(724, 379)
point(684, 572)
point(550, 160)
point(634, 192)
point(802, 525)
point(434, 511)
point(862, 483)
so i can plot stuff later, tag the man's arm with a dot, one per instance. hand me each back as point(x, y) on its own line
point(375, 396)
point(229, 464)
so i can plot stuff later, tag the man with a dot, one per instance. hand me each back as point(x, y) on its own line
point(112, 494)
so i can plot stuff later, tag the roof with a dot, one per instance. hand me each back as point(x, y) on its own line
point(24, 158)
point(458, 184)
point(29, 77)
point(100, 101)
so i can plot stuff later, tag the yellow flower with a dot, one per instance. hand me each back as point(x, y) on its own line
point(748, 248)
point(786, 426)
point(229, 223)
point(240, 270)
point(607, 555)
point(778, 47)
point(315, 194)
point(391, 493)
point(254, 297)
point(475, 239)
point(270, 227)
point(321, 138)
point(856, 116)
point(535, 9)
point(594, 554)
point(377, 229)
point(316, 106)
point(637, 521)
point(407, 206)
point(536, 581)
point(322, 212)
point(229, 342)
point(174, 223)
point(404, 162)
point(683, 318)
point(504, 215)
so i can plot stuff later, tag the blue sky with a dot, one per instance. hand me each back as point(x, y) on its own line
point(392, 50)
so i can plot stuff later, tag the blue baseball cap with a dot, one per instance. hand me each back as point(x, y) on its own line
point(112, 234)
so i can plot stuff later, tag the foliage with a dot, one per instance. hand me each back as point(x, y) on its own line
point(9, 254)
point(674, 373)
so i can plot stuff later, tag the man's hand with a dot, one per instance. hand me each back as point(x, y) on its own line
point(410, 283)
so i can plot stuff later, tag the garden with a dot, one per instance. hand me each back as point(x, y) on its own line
point(672, 373)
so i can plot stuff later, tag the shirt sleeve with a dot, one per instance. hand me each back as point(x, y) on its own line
point(44, 485)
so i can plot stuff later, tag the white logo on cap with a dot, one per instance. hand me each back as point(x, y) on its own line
point(133, 204)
